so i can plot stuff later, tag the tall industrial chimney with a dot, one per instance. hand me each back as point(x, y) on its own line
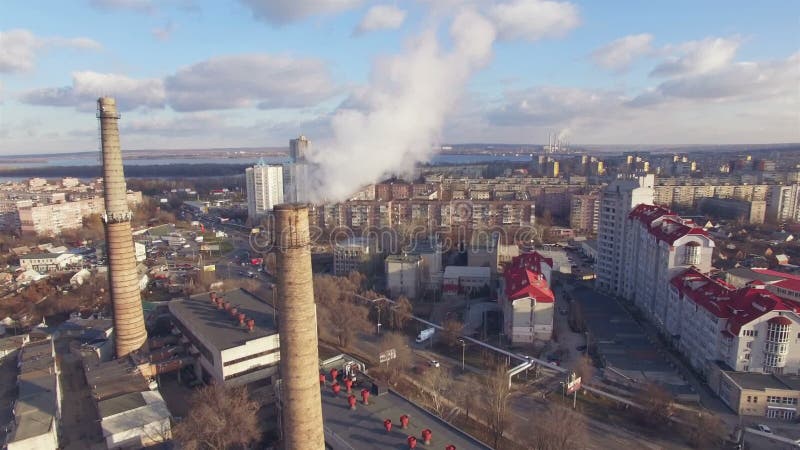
point(129, 330)
point(297, 321)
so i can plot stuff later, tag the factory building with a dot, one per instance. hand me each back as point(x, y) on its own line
point(353, 254)
point(403, 275)
point(235, 334)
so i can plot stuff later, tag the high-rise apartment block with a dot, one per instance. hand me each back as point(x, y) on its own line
point(296, 171)
point(659, 246)
point(616, 202)
point(783, 203)
point(264, 189)
point(584, 213)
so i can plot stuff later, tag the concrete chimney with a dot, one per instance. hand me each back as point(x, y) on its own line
point(129, 330)
point(297, 322)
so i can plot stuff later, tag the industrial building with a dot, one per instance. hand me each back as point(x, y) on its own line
point(758, 394)
point(464, 280)
point(234, 334)
point(264, 188)
point(37, 411)
point(403, 275)
point(137, 419)
point(49, 262)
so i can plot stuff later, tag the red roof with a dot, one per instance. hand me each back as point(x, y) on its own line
point(523, 283)
point(738, 306)
point(670, 228)
point(775, 273)
point(531, 260)
point(780, 320)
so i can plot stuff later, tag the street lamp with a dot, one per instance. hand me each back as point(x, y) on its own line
point(463, 348)
point(378, 307)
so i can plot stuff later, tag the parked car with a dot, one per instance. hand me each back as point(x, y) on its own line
point(763, 428)
point(433, 363)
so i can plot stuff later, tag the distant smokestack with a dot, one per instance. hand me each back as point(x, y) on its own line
point(297, 324)
point(129, 330)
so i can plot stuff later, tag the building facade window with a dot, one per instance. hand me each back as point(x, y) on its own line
point(692, 254)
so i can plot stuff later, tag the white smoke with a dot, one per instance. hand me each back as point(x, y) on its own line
point(387, 127)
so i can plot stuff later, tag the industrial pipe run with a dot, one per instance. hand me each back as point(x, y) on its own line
point(123, 280)
point(297, 324)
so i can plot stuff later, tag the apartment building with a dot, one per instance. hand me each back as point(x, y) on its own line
point(264, 188)
point(353, 254)
point(749, 329)
point(748, 211)
point(783, 203)
point(616, 201)
point(660, 245)
point(584, 212)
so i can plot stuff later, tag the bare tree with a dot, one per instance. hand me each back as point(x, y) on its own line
point(404, 359)
point(707, 432)
point(401, 313)
point(559, 429)
point(585, 368)
point(498, 393)
point(219, 418)
point(344, 320)
point(451, 330)
point(437, 385)
point(657, 404)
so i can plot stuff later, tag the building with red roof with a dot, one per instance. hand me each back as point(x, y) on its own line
point(660, 246)
point(526, 299)
point(749, 329)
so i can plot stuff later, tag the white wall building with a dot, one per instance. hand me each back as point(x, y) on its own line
point(783, 203)
point(660, 245)
point(616, 201)
point(526, 300)
point(264, 188)
point(228, 352)
point(748, 329)
point(49, 262)
point(135, 420)
point(403, 275)
point(464, 280)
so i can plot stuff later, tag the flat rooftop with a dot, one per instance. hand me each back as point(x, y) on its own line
point(216, 326)
point(362, 428)
point(36, 405)
point(761, 381)
point(112, 378)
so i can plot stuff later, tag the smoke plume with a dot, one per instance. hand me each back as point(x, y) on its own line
point(388, 126)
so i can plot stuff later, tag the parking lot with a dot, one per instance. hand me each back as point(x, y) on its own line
point(622, 343)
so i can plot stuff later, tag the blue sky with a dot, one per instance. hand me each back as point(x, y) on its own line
point(193, 73)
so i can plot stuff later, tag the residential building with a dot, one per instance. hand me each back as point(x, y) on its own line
point(234, 334)
point(37, 410)
point(660, 245)
point(264, 189)
point(783, 203)
point(616, 201)
point(752, 211)
point(403, 275)
point(584, 213)
point(464, 280)
point(526, 300)
point(758, 394)
point(353, 254)
point(748, 329)
point(296, 171)
point(784, 285)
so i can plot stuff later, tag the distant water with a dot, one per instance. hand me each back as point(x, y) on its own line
point(89, 159)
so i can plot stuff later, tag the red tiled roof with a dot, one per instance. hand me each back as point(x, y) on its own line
point(670, 228)
point(738, 306)
point(531, 260)
point(775, 273)
point(780, 320)
point(523, 282)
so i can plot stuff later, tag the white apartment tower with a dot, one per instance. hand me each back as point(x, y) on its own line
point(264, 188)
point(616, 202)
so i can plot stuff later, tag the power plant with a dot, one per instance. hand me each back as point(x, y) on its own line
point(129, 328)
point(297, 323)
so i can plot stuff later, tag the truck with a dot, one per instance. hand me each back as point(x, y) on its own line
point(425, 334)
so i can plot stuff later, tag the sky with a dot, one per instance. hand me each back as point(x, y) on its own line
point(404, 75)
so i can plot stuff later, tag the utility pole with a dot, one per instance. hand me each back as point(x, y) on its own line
point(463, 350)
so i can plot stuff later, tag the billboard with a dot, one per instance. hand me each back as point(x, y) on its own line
point(388, 355)
point(210, 268)
point(209, 247)
point(573, 383)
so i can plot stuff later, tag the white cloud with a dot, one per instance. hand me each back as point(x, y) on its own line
point(19, 48)
point(532, 20)
point(87, 86)
point(279, 12)
point(381, 17)
point(619, 54)
point(242, 81)
point(553, 105)
point(142, 6)
point(696, 57)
